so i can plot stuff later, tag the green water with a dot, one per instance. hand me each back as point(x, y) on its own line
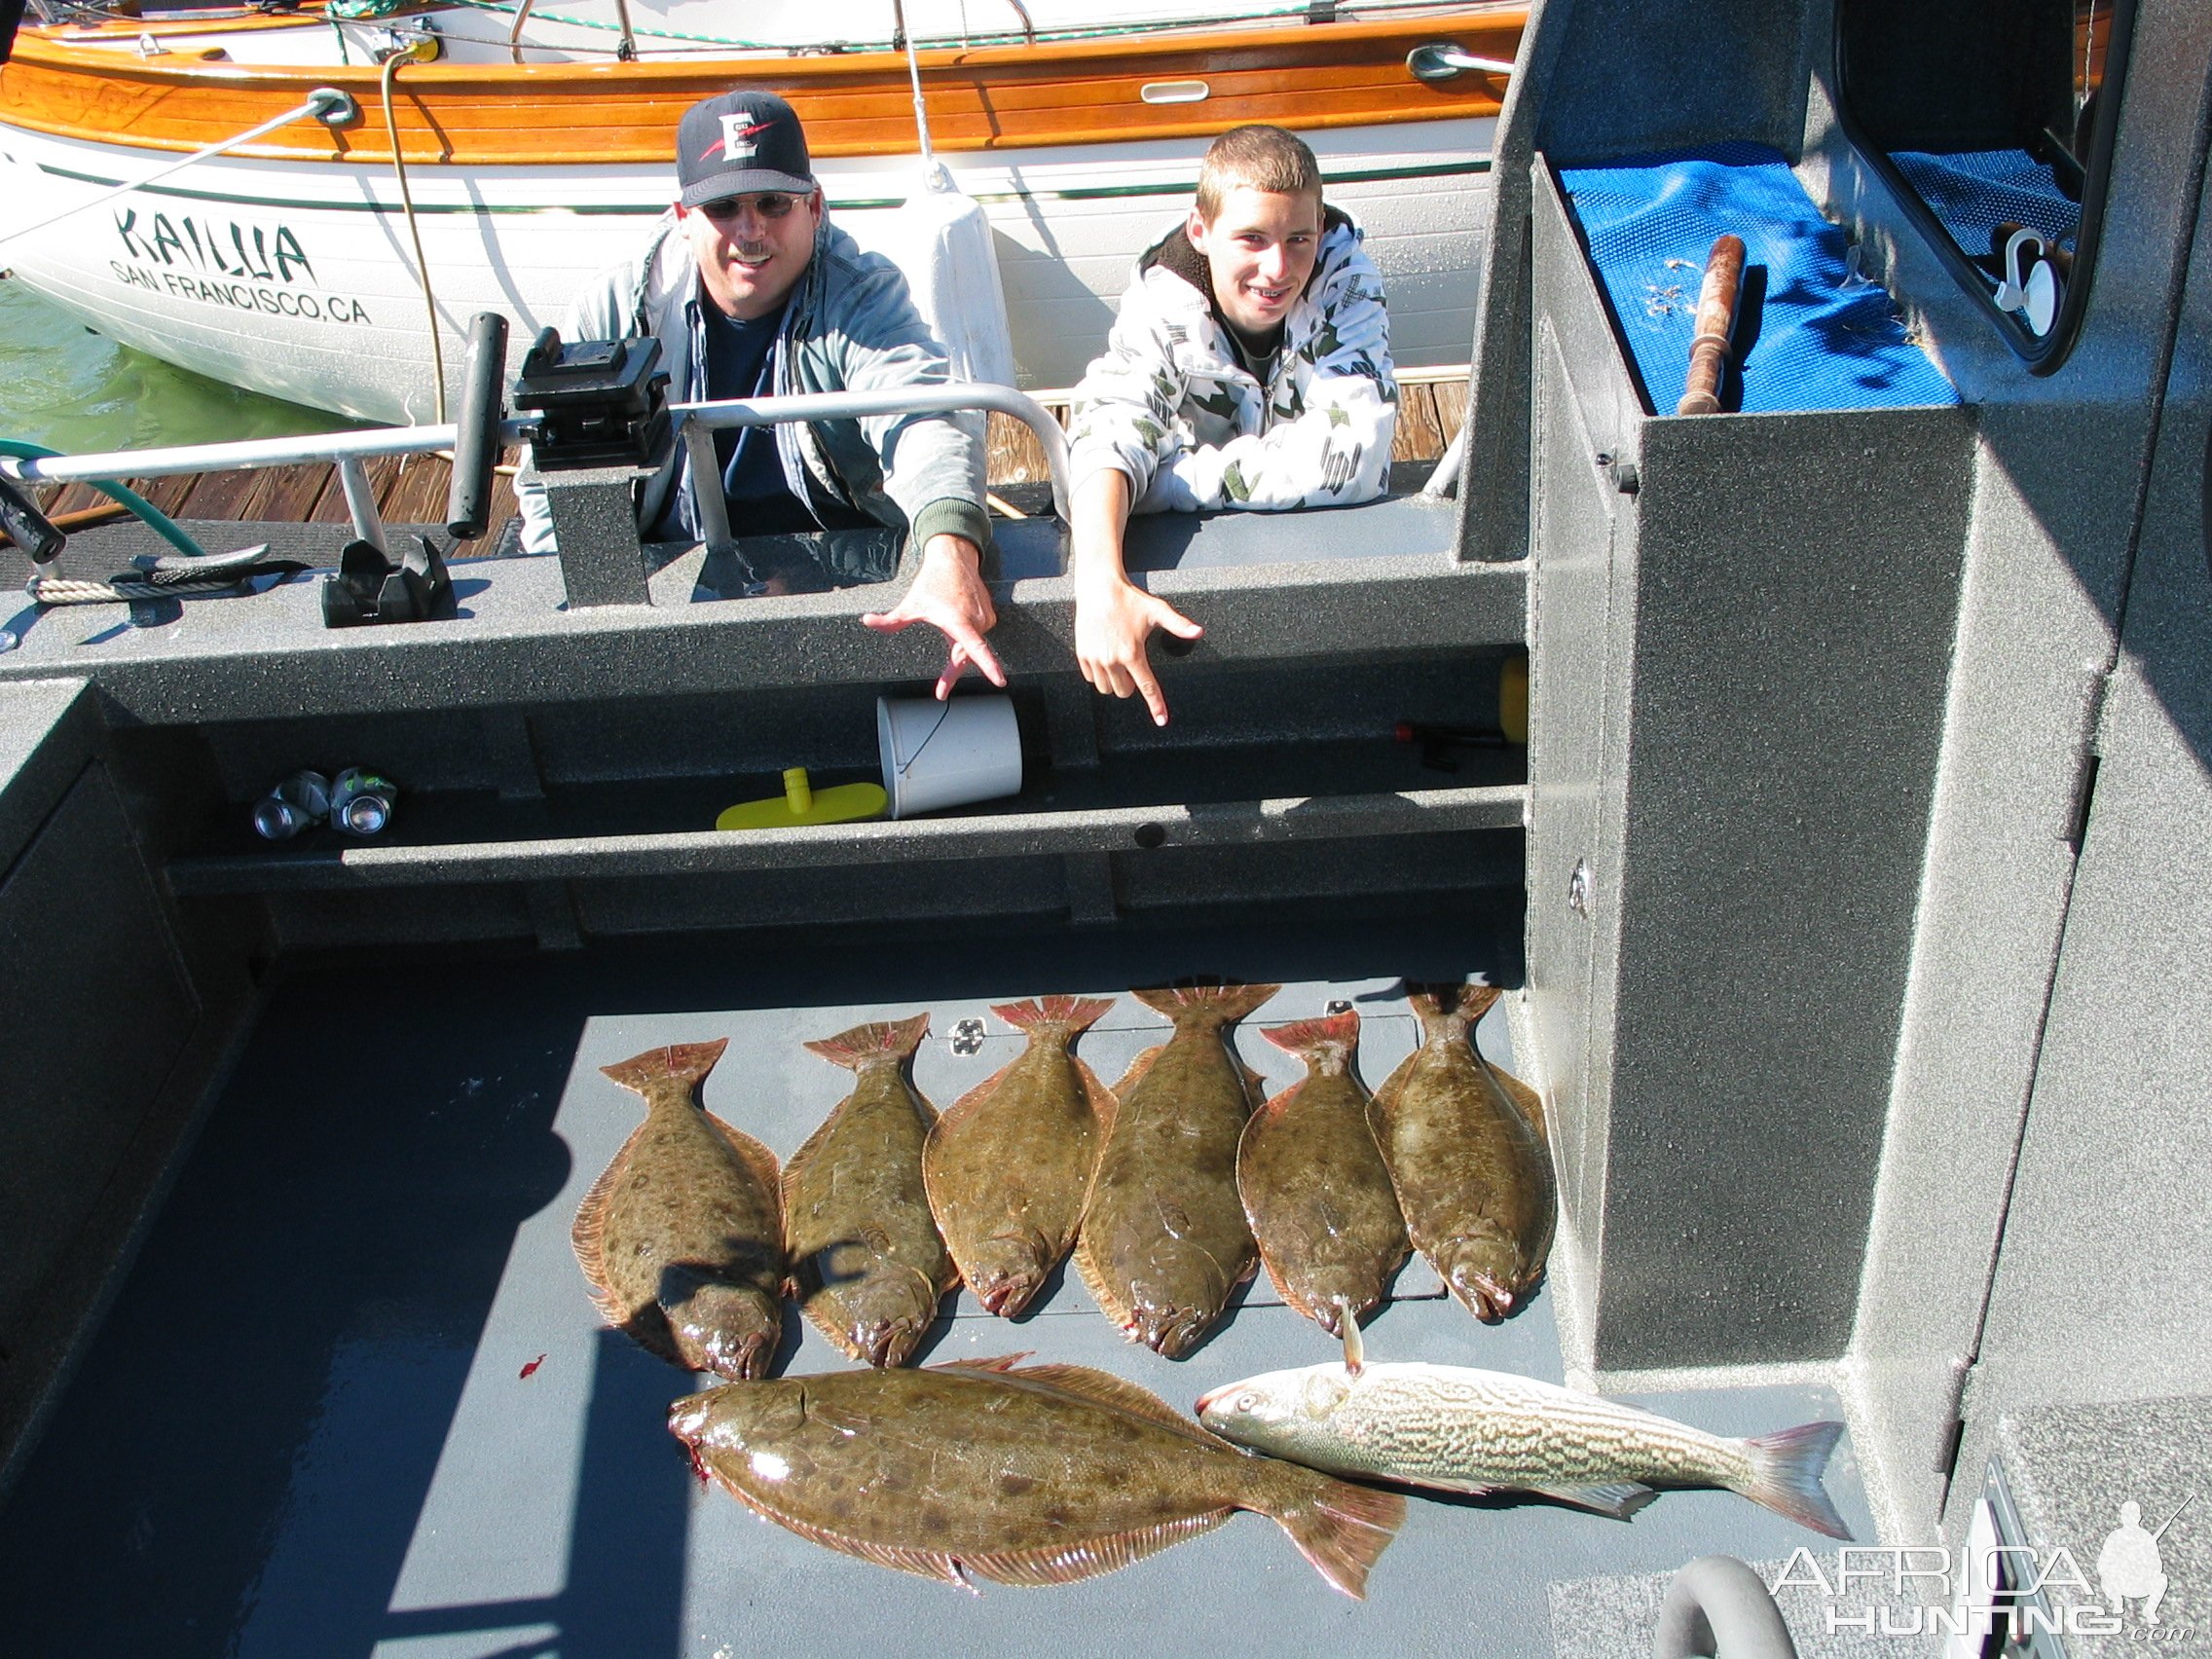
point(74, 390)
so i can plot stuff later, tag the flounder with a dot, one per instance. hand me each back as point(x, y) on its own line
point(681, 1237)
point(1165, 1239)
point(1314, 1185)
point(1465, 1149)
point(866, 1263)
point(1036, 1474)
point(1008, 1165)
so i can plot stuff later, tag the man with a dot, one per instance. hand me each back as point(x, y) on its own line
point(751, 291)
point(1249, 368)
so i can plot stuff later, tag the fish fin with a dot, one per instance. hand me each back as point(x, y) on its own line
point(1355, 1344)
point(1447, 1010)
point(878, 1040)
point(1618, 1499)
point(1343, 1530)
point(647, 1326)
point(1136, 1074)
point(1531, 1103)
point(1054, 1018)
point(1383, 1104)
point(795, 1168)
point(1094, 1282)
point(927, 1564)
point(684, 1062)
point(1103, 1106)
point(760, 1162)
point(820, 1307)
point(1002, 1363)
point(1309, 1039)
point(1261, 1121)
point(1205, 1005)
point(587, 1235)
point(953, 1117)
point(1067, 1563)
point(1786, 1475)
point(1102, 1388)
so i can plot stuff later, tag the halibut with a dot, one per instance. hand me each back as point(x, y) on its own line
point(1165, 1240)
point(1019, 1474)
point(867, 1266)
point(1008, 1165)
point(1464, 1146)
point(1314, 1185)
point(682, 1236)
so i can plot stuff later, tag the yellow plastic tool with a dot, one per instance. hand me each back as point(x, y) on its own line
point(800, 803)
point(1513, 699)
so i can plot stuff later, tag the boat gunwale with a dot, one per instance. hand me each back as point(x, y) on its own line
point(861, 102)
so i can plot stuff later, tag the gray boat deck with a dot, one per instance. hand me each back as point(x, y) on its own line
point(351, 1396)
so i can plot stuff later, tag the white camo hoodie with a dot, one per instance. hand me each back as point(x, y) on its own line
point(1169, 404)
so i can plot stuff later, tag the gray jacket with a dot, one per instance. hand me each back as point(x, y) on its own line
point(851, 326)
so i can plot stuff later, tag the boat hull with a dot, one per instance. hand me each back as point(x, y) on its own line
point(288, 266)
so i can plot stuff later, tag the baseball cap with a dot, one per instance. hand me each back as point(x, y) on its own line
point(736, 143)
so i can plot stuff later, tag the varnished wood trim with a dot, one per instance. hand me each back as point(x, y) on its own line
point(1308, 77)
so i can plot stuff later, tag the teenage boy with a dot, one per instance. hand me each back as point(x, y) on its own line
point(751, 291)
point(1249, 367)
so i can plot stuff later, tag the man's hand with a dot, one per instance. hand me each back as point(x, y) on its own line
point(949, 595)
point(1113, 616)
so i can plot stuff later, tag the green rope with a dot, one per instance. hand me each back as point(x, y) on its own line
point(159, 521)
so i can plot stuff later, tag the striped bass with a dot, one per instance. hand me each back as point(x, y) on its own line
point(1477, 1431)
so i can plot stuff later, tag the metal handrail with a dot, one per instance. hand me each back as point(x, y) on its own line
point(699, 420)
point(344, 450)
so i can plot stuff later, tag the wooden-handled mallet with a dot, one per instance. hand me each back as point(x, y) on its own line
point(1716, 326)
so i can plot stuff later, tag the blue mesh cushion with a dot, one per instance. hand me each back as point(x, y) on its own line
point(1974, 192)
point(1817, 338)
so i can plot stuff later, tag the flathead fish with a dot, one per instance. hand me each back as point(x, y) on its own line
point(1478, 1431)
point(866, 1263)
point(1036, 1474)
point(681, 1237)
point(1314, 1185)
point(1464, 1146)
point(1165, 1239)
point(1008, 1165)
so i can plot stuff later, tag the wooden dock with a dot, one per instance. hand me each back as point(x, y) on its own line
point(412, 489)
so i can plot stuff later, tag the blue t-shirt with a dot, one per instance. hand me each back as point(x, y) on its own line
point(740, 362)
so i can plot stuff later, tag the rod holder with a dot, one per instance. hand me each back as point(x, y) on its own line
point(476, 430)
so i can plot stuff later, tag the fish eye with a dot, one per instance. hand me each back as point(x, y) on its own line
point(1247, 1402)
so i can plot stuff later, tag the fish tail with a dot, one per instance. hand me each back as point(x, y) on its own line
point(1786, 1475)
point(683, 1063)
point(879, 1040)
point(1312, 1040)
point(1061, 1018)
point(1205, 1005)
point(1447, 1010)
point(1343, 1530)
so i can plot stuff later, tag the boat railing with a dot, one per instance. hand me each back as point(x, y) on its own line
point(699, 422)
point(696, 422)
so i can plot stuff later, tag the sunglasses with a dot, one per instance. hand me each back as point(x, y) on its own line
point(770, 204)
